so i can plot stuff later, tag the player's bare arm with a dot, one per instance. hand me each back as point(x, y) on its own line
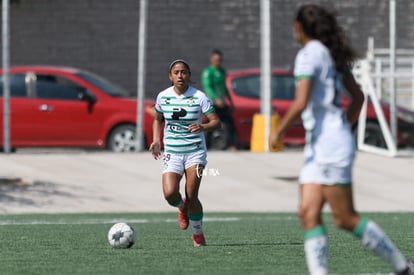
point(303, 91)
point(212, 124)
point(155, 147)
point(357, 97)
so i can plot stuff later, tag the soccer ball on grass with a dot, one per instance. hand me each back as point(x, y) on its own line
point(121, 235)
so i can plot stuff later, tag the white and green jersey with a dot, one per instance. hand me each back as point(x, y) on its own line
point(328, 131)
point(179, 112)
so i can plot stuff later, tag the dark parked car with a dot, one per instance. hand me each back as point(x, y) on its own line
point(67, 107)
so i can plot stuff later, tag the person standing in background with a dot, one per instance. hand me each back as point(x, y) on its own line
point(213, 80)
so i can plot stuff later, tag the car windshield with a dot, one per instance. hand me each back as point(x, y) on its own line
point(103, 84)
point(283, 87)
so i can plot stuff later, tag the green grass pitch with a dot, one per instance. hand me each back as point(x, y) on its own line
point(238, 243)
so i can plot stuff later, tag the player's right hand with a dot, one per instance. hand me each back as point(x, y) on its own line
point(276, 141)
point(155, 149)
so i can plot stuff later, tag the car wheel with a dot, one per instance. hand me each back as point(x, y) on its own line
point(373, 135)
point(122, 139)
point(12, 150)
point(219, 138)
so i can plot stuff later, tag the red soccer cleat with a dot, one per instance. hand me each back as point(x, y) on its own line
point(183, 217)
point(199, 240)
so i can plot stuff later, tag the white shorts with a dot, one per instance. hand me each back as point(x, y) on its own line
point(326, 174)
point(177, 163)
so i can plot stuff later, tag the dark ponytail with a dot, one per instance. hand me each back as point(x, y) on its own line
point(319, 23)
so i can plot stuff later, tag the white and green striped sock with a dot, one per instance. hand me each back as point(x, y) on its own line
point(375, 240)
point(316, 250)
point(196, 223)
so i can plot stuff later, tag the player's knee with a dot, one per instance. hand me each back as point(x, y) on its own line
point(302, 213)
point(305, 213)
point(171, 192)
point(170, 195)
point(309, 217)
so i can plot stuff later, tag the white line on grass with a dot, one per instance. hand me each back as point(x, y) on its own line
point(129, 220)
point(105, 221)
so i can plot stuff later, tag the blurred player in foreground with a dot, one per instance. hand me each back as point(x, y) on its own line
point(182, 107)
point(323, 71)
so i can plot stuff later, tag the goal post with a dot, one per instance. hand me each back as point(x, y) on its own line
point(389, 66)
point(373, 73)
point(363, 74)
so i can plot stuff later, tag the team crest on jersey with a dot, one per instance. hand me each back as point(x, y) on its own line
point(167, 101)
point(190, 101)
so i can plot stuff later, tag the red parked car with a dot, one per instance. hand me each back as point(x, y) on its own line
point(68, 107)
point(244, 90)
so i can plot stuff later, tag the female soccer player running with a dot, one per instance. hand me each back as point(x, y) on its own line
point(182, 107)
point(322, 70)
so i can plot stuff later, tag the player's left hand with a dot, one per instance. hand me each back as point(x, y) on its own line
point(195, 128)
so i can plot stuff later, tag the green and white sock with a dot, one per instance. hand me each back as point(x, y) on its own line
point(375, 240)
point(316, 250)
point(178, 203)
point(196, 223)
